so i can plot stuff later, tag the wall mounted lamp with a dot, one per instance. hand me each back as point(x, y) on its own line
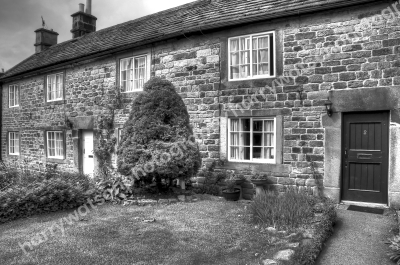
point(328, 106)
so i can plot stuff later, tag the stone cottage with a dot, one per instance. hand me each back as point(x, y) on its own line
point(306, 91)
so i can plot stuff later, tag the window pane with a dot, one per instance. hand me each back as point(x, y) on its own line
point(263, 42)
point(245, 139)
point(268, 153)
point(257, 139)
point(269, 126)
point(16, 95)
point(235, 72)
point(257, 152)
point(245, 125)
point(234, 138)
point(235, 152)
point(257, 126)
point(123, 75)
point(244, 57)
point(234, 58)
point(255, 46)
point(263, 56)
point(234, 45)
point(268, 139)
point(16, 143)
point(234, 125)
point(244, 71)
point(246, 153)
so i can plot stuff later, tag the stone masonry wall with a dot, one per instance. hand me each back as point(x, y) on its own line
point(350, 48)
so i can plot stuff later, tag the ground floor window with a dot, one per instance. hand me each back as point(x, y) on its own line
point(55, 144)
point(13, 143)
point(252, 139)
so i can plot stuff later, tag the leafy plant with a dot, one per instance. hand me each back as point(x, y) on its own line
point(258, 176)
point(287, 211)
point(158, 136)
point(211, 180)
point(394, 245)
point(115, 190)
point(39, 195)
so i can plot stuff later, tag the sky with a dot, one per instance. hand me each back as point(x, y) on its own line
point(20, 18)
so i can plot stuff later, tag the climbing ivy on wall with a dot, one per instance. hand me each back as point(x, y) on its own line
point(111, 101)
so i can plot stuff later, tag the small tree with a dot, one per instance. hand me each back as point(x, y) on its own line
point(157, 141)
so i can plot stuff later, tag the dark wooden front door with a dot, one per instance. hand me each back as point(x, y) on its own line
point(365, 157)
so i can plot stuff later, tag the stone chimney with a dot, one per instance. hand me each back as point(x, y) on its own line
point(44, 39)
point(83, 22)
point(2, 72)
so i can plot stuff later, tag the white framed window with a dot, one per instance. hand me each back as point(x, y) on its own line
point(252, 56)
point(13, 96)
point(252, 140)
point(55, 87)
point(55, 144)
point(133, 73)
point(13, 143)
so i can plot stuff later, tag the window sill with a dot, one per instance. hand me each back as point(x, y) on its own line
point(13, 154)
point(56, 160)
point(56, 102)
point(252, 78)
point(257, 167)
point(135, 91)
point(13, 107)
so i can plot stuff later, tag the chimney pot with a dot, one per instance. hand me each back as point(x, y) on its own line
point(89, 7)
point(83, 22)
point(44, 39)
point(81, 8)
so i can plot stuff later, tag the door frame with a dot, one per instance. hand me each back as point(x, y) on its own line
point(342, 152)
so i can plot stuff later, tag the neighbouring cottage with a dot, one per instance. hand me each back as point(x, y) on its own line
point(296, 89)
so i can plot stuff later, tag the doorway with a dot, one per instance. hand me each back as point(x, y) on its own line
point(87, 152)
point(365, 157)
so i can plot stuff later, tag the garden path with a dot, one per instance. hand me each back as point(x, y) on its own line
point(358, 239)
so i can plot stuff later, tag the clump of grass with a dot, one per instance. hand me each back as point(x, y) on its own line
point(289, 210)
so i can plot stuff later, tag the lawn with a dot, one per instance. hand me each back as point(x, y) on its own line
point(203, 232)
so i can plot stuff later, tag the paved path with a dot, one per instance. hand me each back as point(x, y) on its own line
point(358, 239)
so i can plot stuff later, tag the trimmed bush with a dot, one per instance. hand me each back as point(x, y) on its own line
point(157, 140)
point(58, 192)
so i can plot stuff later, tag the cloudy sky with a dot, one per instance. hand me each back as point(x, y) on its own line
point(20, 18)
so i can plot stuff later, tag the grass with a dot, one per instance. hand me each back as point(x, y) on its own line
point(205, 232)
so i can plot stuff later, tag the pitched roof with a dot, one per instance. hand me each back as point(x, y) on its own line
point(191, 17)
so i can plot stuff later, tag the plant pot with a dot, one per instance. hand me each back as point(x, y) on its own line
point(259, 182)
point(231, 196)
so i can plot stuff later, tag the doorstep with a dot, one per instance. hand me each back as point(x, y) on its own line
point(345, 204)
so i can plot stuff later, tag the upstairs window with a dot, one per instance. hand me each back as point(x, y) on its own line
point(13, 143)
point(55, 87)
point(133, 73)
point(252, 140)
point(13, 96)
point(55, 144)
point(252, 56)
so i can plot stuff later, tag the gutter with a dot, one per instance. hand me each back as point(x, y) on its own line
point(193, 29)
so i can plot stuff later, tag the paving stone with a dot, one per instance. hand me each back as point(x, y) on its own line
point(173, 200)
point(163, 201)
point(269, 262)
point(182, 198)
point(284, 254)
